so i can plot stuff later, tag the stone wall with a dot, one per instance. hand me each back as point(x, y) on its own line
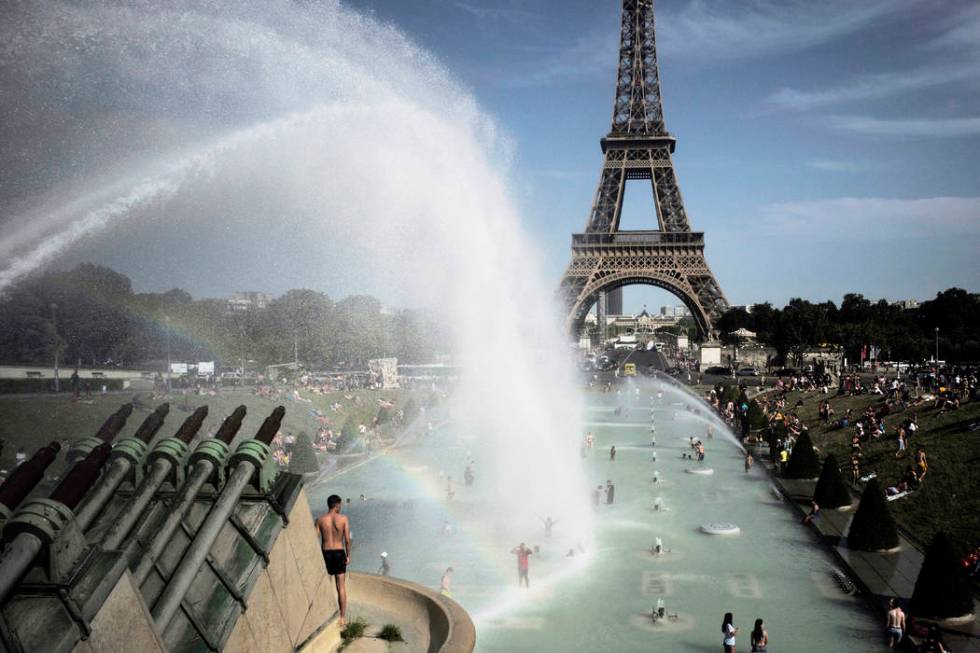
point(294, 600)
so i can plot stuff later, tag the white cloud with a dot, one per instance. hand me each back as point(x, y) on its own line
point(512, 14)
point(872, 87)
point(706, 30)
point(870, 218)
point(916, 127)
point(958, 62)
point(594, 53)
point(828, 165)
point(721, 29)
point(963, 29)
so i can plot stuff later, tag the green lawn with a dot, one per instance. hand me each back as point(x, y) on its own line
point(31, 422)
point(949, 498)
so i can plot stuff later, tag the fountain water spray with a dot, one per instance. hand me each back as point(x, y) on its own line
point(317, 134)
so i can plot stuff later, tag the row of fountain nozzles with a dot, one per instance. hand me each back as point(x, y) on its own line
point(89, 484)
point(88, 456)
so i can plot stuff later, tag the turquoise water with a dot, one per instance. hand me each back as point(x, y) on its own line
point(600, 600)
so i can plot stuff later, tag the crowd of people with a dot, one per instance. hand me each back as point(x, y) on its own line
point(926, 391)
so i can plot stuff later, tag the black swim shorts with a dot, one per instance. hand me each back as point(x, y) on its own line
point(336, 561)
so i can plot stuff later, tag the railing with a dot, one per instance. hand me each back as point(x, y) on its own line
point(688, 238)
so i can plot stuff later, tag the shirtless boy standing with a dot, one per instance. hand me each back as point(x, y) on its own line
point(334, 530)
point(895, 624)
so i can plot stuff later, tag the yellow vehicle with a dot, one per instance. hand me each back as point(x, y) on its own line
point(629, 369)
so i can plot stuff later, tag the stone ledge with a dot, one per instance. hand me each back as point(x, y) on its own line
point(419, 609)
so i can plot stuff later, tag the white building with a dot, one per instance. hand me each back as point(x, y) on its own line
point(248, 300)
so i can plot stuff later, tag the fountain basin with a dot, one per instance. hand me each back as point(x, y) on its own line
point(720, 528)
point(700, 471)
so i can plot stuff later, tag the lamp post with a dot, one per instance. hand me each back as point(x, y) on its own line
point(166, 319)
point(54, 321)
point(241, 378)
point(937, 348)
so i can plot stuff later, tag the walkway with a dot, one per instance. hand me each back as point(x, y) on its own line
point(880, 576)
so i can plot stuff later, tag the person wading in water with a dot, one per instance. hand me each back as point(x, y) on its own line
point(522, 553)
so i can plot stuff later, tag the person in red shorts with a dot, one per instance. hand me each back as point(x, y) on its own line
point(522, 553)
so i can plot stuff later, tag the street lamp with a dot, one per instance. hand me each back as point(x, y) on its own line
point(54, 321)
point(241, 378)
point(166, 319)
point(937, 347)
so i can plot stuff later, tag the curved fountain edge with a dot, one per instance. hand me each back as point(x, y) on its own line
point(449, 626)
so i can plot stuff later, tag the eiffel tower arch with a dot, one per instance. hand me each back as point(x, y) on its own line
point(671, 256)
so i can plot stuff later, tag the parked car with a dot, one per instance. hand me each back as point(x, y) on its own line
point(718, 371)
point(605, 363)
point(748, 371)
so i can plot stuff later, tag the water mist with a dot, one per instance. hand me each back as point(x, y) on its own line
point(309, 146)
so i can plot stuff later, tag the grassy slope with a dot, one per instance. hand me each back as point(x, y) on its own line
point(949, 499)
point(33, 421)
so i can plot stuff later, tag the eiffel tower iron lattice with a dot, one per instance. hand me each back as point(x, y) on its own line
point(604, 257)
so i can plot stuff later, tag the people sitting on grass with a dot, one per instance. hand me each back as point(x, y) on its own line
point(947, 401)
point(909, 482)
point(971, 563)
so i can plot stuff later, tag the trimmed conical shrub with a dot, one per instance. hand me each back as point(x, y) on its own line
point(410, 410)
point(731, 394)
point(941, 591)
point(873, 528)
point(757, 419)
point(831, 491)
point(348, 435)
point(803, 463)
point(303, 458)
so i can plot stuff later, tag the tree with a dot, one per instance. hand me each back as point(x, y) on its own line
point(348, 435)
point(831, 491)
point(732, 320)
point(410, 410)
point(757, 419)
point(873, 527)
point(303, 458)
point(941, 591)
point(730, 393)
point(803, 463)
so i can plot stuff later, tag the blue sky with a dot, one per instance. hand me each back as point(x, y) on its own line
point(824, 147)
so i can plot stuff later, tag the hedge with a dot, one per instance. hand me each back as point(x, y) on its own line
point(831, 490)
point(873, 527)
point(803, 463)
point(941, 591)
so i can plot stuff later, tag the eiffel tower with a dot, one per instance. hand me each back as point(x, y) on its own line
point(606, 258)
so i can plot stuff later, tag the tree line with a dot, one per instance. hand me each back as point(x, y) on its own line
point(91, 314)
point(895, 333)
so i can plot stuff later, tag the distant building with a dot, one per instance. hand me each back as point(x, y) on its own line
point(614, 302)
point(248, 300)
point(674, 311)
point(907, 304)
